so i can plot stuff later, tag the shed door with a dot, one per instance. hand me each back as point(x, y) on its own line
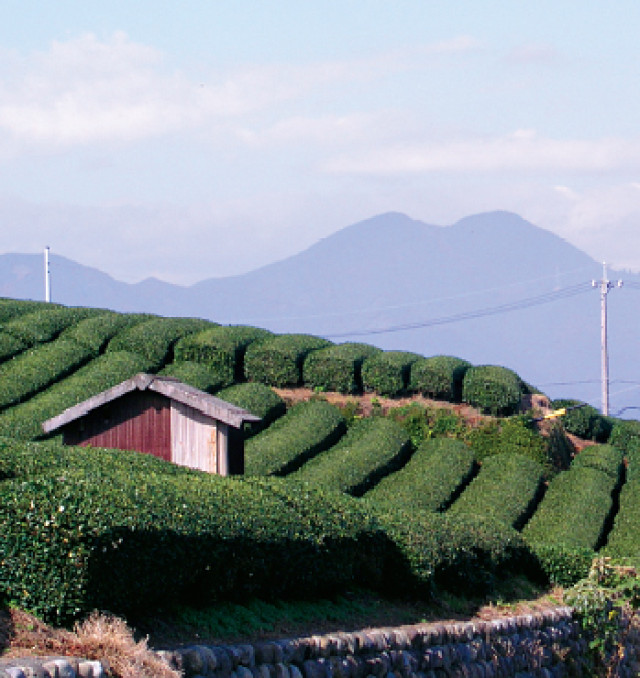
point(193, 438)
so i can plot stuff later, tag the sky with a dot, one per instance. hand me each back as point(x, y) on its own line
point(207, 138)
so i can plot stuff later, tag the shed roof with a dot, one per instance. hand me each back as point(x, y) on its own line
point(168, 386)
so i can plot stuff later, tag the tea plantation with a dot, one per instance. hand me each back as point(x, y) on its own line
point(414, 501)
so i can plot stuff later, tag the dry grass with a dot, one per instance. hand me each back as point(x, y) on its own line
point(101, 637)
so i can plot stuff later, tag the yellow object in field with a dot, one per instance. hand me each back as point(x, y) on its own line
point(556, 413)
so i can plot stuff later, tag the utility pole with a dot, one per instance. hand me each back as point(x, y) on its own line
point(605, 285)
point(47, 276)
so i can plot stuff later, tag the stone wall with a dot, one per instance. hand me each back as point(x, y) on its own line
point(544, 644)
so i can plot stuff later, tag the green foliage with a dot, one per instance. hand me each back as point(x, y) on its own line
point(439, 377)
point(422, 423)
point(38, 327)
point(337, 368)
point(625, 435)
point(388, 373)
point(509, 436)
point(563, 565)
point(31, 371)
point(560, 449)
point(258, 399)
point(605, 458)
point(24, 421)
point(278, 361)
point(574, 510)
point(221, 349)
point(96, 332)
point(583, 420)
point(78, 538)
point(12, 308)
point(435, 552)
point(431, 478)
point(195, 374)
point(507, 488)
point(372, 448)
point(493, 389)
point(623, 539)
point(154, 339)
point(307, 429)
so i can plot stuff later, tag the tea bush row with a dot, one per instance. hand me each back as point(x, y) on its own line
point(604, 458)
point(439, 377)
point(338, 367)
point(96, 332)
point(623, 539)
point(574, 510)
point(304, 431)
point(371, 449)
point(258, 399)
point(278, 361)
point(12, 308)
point(194, 374)
point(38, 327)
point(493, 389)
point(154, 339)
point(221, 349)
point(388, 373)
point(583, 420)
point(507, 488)
point(437, 470)
point(24, 421)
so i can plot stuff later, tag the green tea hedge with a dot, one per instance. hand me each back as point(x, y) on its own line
point(625, 435)
point(221, 348)
point(96, 332)
point(12, 308)
point(195, 374)
point(154, 339)
point(624, 539)
point(278, 361)
point(304, 431)
point(371, 449)
point(388, 373)
point(574, 510)
point(583, 420)
point(493, 389)
point(37, 368)
point(24, 421)
point(439, 377)
point(507, 488)
point(436, 472)
point(337, 368)
point(563, 565)
point(258, 399)
point(605, 458)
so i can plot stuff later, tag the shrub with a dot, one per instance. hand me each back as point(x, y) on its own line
point(583, 420)
point(337, 368)
point(12, 308)
point(258, 399)
point(278, 361)
point(423, 423)
point(24, 421)
point(37, 368)
point(372, 448)
point(436, 472)
point(306, 429)
point(195, 374)
point(510, 436)
point(605, 458)
point(434, 551)
point(154, 339)
point(439, 377)
point(221, 349)
point(507, 488)
point(563, 565)
point(625, 435)
point(39, 327)
point(574, 510)
point(387, 373)
point(493, 389)
point(623, 538)
point(96, 332)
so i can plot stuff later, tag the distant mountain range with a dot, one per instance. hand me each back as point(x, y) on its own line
point(492, 288)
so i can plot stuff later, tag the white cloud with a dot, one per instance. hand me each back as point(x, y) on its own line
point(523, 150)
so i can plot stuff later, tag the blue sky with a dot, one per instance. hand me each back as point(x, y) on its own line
point(200, 139)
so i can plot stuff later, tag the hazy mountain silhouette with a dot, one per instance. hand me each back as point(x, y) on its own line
point(462, 289)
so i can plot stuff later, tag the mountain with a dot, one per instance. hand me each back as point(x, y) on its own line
point(474, 289)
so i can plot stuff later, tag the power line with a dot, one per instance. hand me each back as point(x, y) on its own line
point(537, 300)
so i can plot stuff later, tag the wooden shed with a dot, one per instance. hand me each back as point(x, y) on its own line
point(160, 416)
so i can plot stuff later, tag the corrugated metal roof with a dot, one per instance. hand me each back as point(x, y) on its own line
point(168, 386)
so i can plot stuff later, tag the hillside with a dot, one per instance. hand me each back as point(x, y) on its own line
point(459, 290)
